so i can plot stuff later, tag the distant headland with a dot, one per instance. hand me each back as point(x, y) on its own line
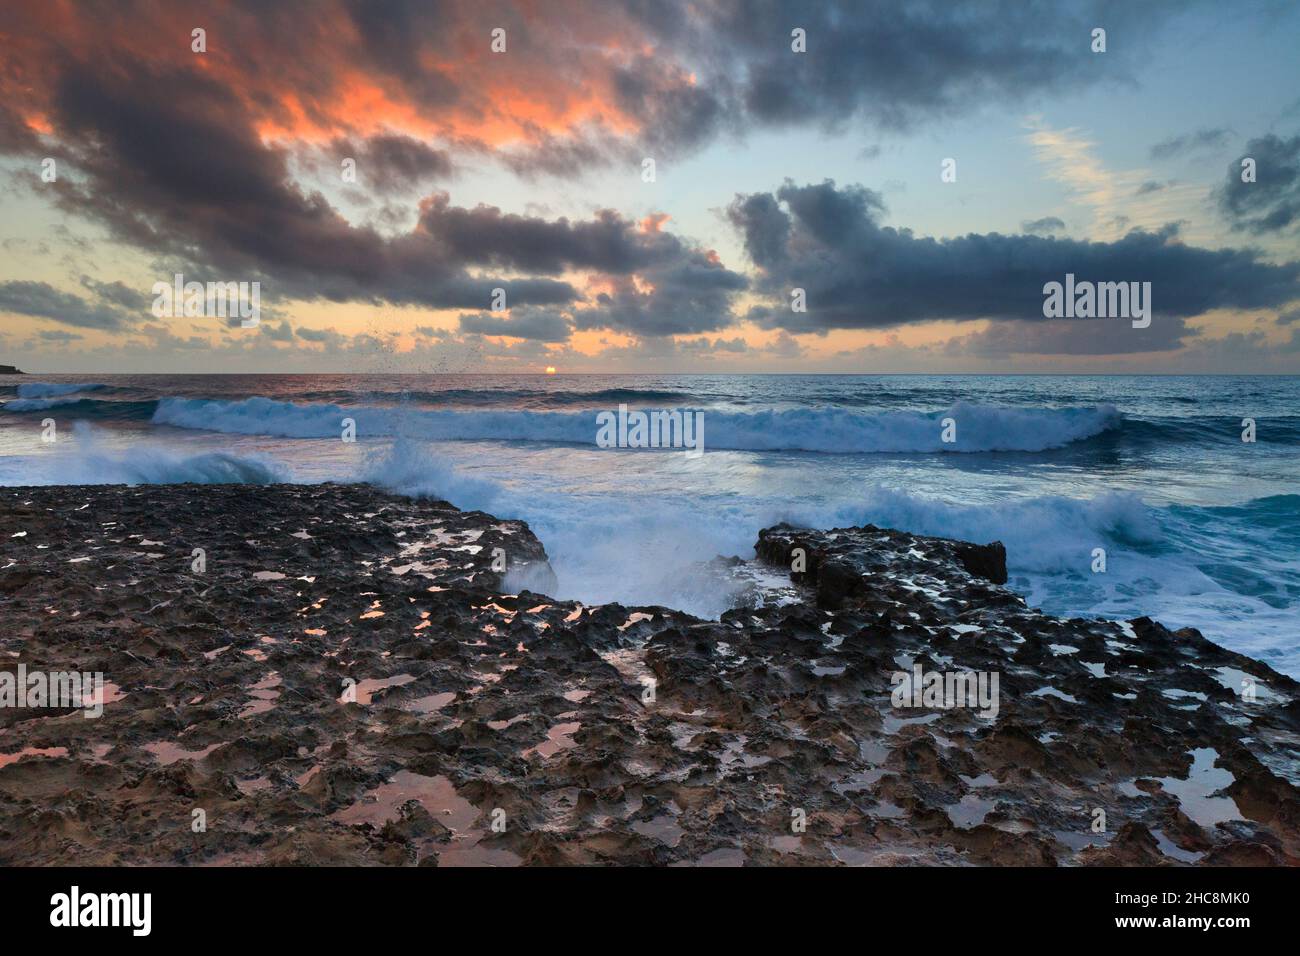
point(10, 370)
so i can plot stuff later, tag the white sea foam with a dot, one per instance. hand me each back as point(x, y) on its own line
point(629, 526)
point(642, 546)
point(37, 404)
point(411, 468)
point(632, 548)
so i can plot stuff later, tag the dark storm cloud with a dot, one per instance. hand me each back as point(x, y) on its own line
point(15, 135)
point(189, 158)
point(170, 160)
point(859, 274)
point(892, 64)
point(393, 34)
point(670, 74)
point(193, 178)
point(536, 324)
point(675, 115)
point(686, 297)
point(393, 164)
point(1272, 202)
point(686, 72)
point(43, 301)
point(485, 235)
point(174, 165)
point(1045, 226)
point(1190, 142)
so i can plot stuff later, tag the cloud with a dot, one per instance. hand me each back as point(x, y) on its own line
point(281, 333)
point(565, 156)
point(213, 192)
point(171, 160)
point(859, 274)
point(194, 158)
point(895, 65)
point(318, 335)
point(1251, 351)
point(119, 294)
point(43, 301)
point(16, 136)
point(1202, 139)
point(704, 347)
point(784, 346)
point(1045, 226)
point(1116, 198)
point(486, 236)
point(1271, 204)
point(537, 324)
point(694, 293)
point(586, 83)
point(391, 164)
point(58, 337)
point(1072, 337)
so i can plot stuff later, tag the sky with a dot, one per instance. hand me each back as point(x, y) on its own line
point(647, 184)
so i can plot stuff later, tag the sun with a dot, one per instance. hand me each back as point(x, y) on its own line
point(550, 370)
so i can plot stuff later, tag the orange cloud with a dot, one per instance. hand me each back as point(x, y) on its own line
point(310, 72)
point(654, 222)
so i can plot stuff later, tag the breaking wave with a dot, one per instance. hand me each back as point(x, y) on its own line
point(526, 398)
point(93, 462)
point(979, 428)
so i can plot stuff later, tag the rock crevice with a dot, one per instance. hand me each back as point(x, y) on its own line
point(351, 678)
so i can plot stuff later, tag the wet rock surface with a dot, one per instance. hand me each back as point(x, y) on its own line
point(351, 679)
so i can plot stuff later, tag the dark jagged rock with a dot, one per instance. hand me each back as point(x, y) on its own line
point(351, 678)
point(843, 561)
point(984, 560)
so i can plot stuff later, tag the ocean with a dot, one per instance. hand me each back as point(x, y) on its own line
point(1197, 526)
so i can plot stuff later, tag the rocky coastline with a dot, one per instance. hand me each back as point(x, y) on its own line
point(329, 674)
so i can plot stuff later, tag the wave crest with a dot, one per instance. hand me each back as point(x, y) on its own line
point(979, 428)
point(54, 389)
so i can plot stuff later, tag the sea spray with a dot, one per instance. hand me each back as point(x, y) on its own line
point(635, 549)
point(95, 464)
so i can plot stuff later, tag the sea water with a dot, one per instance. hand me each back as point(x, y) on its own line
point(1197, 527)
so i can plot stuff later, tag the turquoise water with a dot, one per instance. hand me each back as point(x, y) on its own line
point(1198, 527)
